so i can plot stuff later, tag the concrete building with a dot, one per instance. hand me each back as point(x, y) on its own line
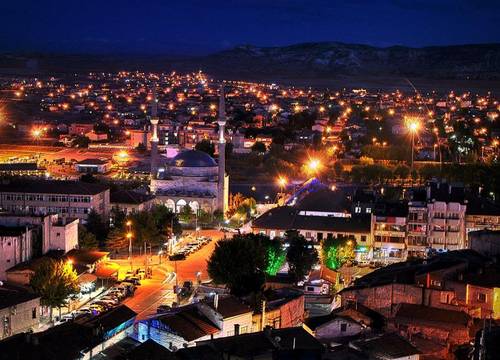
point(16, 246)
point(54, 232)
point(19, 310)
point(69, 199)
point(131, 201)
point(92, 166)
point(389, 232)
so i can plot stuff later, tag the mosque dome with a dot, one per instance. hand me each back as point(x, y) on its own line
point(192, 158)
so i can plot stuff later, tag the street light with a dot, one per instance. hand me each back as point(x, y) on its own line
point(313, 165)
point(413, 126)
point(129, 237)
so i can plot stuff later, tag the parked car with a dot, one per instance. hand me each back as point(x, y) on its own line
point(163, 308)
point(176, 257)
point(134, 280)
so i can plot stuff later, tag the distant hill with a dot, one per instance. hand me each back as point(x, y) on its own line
point(311, 60)
point(321, 60)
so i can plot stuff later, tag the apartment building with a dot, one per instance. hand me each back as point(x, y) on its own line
point(389, 231)
point(446, 217)
point(69, 199)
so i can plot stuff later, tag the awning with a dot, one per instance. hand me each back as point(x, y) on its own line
point(87, 278)
point(107, 270)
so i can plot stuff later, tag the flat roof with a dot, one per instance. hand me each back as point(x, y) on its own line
point(53, 187)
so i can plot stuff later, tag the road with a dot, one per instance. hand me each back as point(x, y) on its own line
point(156, 291)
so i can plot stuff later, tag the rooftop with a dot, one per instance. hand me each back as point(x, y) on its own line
point(431, 316)
point(129, 197)
point(53, 187)
point(192, 158)
point(11, 295)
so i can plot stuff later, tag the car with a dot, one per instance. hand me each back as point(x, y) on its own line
point(134, 280)
point(106, 304)
point(111, 299)
point(163, 308)
point(141, 273)
point(178, 256)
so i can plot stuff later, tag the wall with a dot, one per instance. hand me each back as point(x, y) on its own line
point(64, 236)
point(20, 318)
point(332, 329)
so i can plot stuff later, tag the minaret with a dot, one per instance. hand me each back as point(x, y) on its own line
point(154, 137)
point(221, 186)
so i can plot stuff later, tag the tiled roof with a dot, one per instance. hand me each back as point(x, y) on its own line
point(229, 306)
point(11, 295)
point(430, 316)
point(188, 323)
point(53, 187)
point(286, 218)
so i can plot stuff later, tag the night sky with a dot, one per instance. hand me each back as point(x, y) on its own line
point(203, 26)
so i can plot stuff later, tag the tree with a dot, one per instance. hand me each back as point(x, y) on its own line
point(166, 221)
point(239, 263)
point(402, 172)
point(186, 214)
point(117, 240)
point(335, 252)
point(145, 229)
point(86, 240)
point(81, 142)
point(206, 146)
point(301, 255)
point(118, 217)
point(97, 226)
point(275, 256)
point(54, 281)
point(259, 147)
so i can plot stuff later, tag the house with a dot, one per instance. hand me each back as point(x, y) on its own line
point(130, 201)
point(228, 313)
point(333, 327)
point(389, 226)
point(485, 242)
point(19, 310)
point(445, 327)
point(81, 339)
point(283, 307)
point(270, 344)
point(92, 166)
point(386, 347)
point(178, 328)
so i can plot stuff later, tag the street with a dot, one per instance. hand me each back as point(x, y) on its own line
point(156, 291)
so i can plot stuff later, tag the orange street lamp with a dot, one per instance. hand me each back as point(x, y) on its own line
point(313, 166)
point(413, 126)
point(282, 182)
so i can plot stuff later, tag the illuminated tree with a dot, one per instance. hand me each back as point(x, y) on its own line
point(275, 256)
point(335, 252)
point(55, 281)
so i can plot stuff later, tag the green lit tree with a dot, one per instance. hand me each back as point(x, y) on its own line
point(55, 281)
point(336, 251)
point(301, 255)
point(275, 256)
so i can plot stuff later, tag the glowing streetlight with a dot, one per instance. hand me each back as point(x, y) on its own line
point(313, 166)
point(37, 133)
point(282, 182)
point(413, 126)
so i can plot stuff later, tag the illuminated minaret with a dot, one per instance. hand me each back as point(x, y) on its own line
point(154, 137)
point(221, 187)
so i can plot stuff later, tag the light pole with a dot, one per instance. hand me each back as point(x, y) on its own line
point(413, 125)
point(129, 237)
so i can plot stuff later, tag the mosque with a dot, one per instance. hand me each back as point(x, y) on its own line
point(191, 178)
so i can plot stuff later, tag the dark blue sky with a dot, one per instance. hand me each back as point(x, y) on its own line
point(202, 26)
